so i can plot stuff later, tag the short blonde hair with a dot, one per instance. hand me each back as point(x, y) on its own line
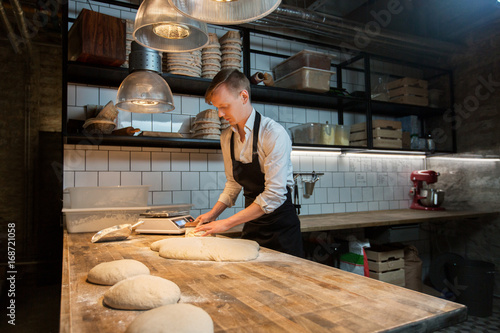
point(232, 78)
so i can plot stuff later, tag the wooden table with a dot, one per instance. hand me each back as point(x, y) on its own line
point(337, 221)
point(385, 217)
point(274, 293)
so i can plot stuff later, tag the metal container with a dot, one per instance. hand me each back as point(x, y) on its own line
point(308, 188)
point(304, 58)
point(306, 78)
point(314, 133)
point(433, 197)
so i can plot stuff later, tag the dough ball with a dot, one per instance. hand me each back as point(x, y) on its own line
point(209, 248)
point(179, 318)
point(142, 292)
point(109, 273)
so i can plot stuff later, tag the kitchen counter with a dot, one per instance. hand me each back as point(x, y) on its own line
point(385, 217)
point(336, 221)
point(274, 293)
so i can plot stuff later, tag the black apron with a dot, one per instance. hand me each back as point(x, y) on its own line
point(279, 230)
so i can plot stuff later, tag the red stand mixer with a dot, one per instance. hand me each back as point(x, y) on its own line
point(425, 198)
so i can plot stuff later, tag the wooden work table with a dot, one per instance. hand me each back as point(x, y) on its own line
point(274, 293)
point(336, 221)
point(385, 217)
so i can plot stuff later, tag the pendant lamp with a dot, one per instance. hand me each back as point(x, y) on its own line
point(225, 11)
point(160, 27)
point(144, 90)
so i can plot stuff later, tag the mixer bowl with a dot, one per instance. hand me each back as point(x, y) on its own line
point(433, 197)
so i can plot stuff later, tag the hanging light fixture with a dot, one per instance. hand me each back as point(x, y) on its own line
point(160, 27)
point(225, 11)
point(144, 90)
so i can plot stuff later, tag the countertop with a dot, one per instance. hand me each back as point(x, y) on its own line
point(274, 293)
point(385, 217)
point(322, 222)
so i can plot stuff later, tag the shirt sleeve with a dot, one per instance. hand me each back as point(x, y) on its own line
point(275, 159)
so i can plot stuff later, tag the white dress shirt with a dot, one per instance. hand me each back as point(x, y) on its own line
point(274, 148)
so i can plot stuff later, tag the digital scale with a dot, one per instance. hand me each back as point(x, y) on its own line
point(163, 223)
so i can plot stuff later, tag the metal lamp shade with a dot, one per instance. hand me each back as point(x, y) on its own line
point(225, 12)
point(160, 27)
point(144, 92)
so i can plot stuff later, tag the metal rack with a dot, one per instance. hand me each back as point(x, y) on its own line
point(75, 72)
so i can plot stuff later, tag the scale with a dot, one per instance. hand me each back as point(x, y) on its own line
point(164, 222)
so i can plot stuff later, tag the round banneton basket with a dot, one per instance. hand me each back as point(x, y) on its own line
point(98, 126)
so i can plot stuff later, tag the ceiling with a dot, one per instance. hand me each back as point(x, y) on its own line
point(446, 20)
point(408, 28)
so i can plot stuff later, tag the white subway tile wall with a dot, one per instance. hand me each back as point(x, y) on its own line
point(197, 175)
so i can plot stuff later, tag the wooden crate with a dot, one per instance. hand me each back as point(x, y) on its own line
point(408, 91)
point(386, 134)
point(386, 263)
point(384, 253)
point(407, 81)
point(384, 266)
point(396, 277)
point(97, 38)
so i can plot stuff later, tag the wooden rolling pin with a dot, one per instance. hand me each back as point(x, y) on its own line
point(126, 131)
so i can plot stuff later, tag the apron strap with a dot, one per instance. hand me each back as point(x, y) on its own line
point(256, 126)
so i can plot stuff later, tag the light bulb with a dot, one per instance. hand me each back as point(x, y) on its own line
point(171, 30)
point(144, 102)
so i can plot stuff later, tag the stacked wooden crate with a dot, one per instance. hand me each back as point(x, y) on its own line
point(408, 91)
point(386, 134)
point(386, 264)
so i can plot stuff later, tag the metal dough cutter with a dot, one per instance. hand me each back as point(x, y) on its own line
point(116, 233)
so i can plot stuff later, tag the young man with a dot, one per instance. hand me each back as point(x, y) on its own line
point(256, 152)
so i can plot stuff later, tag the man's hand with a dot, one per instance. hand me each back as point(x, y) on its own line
point(214, 227)
point(204, 218)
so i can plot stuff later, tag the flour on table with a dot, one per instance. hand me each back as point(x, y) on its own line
point(179, 318)
point(207, 248)
point(109, 273)
point(142, 292)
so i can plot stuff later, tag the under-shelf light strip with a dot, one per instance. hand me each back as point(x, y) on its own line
point(394, 155)
point(338, 151)
point(315, 150)
point(466, 159)
point(402, 154)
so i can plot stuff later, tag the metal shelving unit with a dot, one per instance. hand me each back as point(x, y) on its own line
point(107, 76)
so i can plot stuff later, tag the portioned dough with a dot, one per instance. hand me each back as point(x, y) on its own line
point(142, 292)
point(155, 246)
point(208, 248)
point(109, 273)
point(179, 318)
